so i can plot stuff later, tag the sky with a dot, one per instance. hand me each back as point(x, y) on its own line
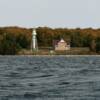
point(50, 13)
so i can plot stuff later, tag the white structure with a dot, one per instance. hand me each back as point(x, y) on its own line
point(34, 40)
point(62, 46)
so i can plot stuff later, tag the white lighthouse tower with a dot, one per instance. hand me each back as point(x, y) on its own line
point(34, 40)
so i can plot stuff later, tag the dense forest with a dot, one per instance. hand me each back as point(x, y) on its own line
point(13, 39)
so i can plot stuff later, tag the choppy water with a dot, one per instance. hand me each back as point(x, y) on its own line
point(49, 78)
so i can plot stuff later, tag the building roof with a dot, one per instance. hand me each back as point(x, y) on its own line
point(62, 40)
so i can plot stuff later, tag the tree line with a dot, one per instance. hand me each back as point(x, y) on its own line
point(14, 39)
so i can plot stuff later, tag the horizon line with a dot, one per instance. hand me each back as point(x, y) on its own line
point(19, 26)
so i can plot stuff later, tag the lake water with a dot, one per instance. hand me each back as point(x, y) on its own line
point(50, 78)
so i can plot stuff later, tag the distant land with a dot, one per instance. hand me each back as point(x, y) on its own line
point(15, 39)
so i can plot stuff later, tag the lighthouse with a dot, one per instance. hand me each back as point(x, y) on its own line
point(34, 40)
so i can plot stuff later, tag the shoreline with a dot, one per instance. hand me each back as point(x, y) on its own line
point(52, 55)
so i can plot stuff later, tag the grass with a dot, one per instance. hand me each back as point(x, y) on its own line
point(72, 51)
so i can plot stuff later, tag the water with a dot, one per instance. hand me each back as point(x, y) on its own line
point(49, 78)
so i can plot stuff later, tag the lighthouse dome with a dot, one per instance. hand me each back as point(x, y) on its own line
point(34, 32)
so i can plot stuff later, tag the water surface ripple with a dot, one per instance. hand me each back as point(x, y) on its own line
point(49, 78)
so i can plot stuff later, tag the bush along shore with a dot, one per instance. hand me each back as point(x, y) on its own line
point(17, 40)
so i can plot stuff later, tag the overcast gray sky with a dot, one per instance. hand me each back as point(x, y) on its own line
point(51, 13)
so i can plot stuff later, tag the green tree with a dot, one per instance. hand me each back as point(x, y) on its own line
point(98, 44)
point(23, 41)
point(8, 45)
